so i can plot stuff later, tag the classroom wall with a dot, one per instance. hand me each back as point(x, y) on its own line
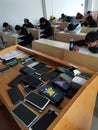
point(95, 5)
point(14, 11)
point(90, 5)
point(69, 7)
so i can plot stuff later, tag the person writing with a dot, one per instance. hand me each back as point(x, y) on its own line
point(27, 24)
point(26, 37)
point(91, 42)
point(7, 27)
point(46, 26)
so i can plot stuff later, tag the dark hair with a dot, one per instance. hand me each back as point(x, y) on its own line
point(62, 15)
point(17, 27)
point(72, 27)
point(42, 19)
point(26, 20)
point(5, 24)
point(79, 16)
point(91, 37)
point(89, 12)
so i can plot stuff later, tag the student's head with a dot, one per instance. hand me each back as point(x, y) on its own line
point(26, 21)
point(62, 15)
point(79, 16)
point(89, 12)
point(92, 39)
point(6, 26)
point(18, 29)
point(42, 20)
point(72, 27)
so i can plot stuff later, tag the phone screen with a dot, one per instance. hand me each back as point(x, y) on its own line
point(37, 100)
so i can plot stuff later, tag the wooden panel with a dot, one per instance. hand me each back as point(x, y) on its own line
point(49, 50)
point(78, 113)
point(62, 24)
point(65, 37)
point(87, 29)
point(8, 38)
point(88, 61)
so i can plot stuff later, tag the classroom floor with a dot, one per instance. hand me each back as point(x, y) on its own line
point(6, 121)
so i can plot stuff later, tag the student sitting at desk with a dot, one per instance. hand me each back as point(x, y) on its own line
point(26, 36)
point(27, 24)
point(91, 41)
point(46, 26)
point(63, 17)
point(7, 27)
point(79, 16)
point(73, 29)
point(89, 22)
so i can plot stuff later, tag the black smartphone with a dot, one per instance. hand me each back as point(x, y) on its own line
point(50, 75)
point(32, 81)
point(38, 66)
point(43, 70)
point(27, 70)
point(24, 114)
point(44, 122)
point(4, 69)
point(36, 100)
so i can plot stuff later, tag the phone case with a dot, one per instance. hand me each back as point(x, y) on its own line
point(43, 70)
point(44, 122)
point(27, 70)
point(39, 65)
point(51, 92)
point(66, 77)
point(24, 114)
point(32, 81)
point(50, 75)
point(18, 79)
point(36, 100)
point(61, 84)
point(15, 95)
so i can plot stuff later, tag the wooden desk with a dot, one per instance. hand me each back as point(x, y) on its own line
point(10, 38)
point(36, 32)
point(49, 47)
point(62, 24)
point(84, 58)
point(65, 37)
point(61, 50)
point(76, 113)
point(55, 28)
point(88, 29)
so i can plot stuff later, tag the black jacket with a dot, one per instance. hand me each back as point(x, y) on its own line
point(29, 25)
point(47, 28)
point(27, 37)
